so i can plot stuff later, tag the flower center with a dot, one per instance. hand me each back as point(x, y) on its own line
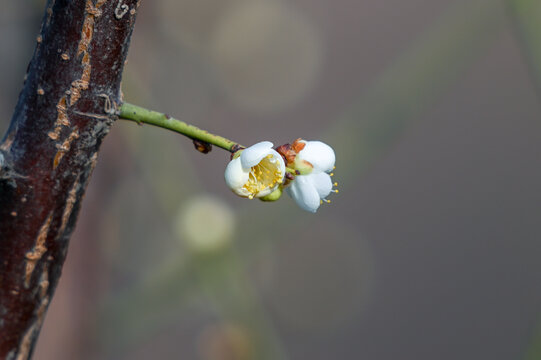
point(263, 176)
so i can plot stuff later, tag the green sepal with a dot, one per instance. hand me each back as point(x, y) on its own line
point(303, 167)
point(273, 196)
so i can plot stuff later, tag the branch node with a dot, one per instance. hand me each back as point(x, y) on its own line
point(110, 107)
point(202, 146)
point(121, 10)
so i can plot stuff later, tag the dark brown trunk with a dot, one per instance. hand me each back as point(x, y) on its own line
point(64, 111)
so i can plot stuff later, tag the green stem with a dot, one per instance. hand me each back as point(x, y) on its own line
point(526, 17)
point(141, 115)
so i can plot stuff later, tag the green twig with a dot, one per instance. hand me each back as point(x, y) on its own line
point(525, 16)
point(144, 116)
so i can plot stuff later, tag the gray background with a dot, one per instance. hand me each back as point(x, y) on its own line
point(431, 248)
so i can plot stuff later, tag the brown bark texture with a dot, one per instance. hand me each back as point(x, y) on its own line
point(66, 107)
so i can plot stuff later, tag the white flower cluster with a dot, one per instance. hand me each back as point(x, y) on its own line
point(260, 171)
point(314, 184)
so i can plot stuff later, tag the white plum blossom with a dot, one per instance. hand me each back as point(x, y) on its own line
point(255, 171)
point(303, 168)
point(314, 161)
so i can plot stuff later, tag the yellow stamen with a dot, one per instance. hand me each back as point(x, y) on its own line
point(263, 176)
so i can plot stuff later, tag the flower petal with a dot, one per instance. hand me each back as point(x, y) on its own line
point(280, 159)
point(322, 182)
point(252, 155)
point(236, 177)
point(304, 193)
point(319, 154)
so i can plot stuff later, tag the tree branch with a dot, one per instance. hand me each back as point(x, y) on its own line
point(64, 111)
point(143, 116)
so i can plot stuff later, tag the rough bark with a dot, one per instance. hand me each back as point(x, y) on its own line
point(64, 111)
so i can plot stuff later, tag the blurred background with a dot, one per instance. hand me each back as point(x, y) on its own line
point(431, 250)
